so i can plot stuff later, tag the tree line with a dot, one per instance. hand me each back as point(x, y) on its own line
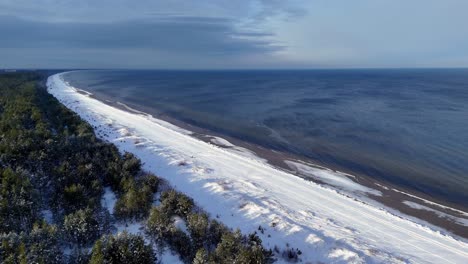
point(52, 161)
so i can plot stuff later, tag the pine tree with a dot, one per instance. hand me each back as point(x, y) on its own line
point(22, 254)
point(97, 256)
point(159, 223)
point(197, 225)
point(81, 227)
point(122, 248)
point(201, 257)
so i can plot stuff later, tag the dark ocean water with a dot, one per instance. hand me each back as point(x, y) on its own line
point(409, 127)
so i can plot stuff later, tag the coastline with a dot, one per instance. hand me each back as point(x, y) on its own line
point(393, 197)
point(116, 133)
point(443, 215)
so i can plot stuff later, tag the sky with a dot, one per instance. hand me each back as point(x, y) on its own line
point(227, 34)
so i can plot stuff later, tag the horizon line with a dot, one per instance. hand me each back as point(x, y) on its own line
point(230, 69)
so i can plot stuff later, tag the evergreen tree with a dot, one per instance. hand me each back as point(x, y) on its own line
point(197, 224)
point(81, 227)
point(18, 202)
point(123, 248)
point(201, 257)
point(97, 256)
point(159, 223)
point(43, 244)
point(175, 203)
point(137, 198)
point(229, 246)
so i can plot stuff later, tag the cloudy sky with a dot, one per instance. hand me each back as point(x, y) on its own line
point(203, 34)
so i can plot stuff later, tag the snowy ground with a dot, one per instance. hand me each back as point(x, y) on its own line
point(246, 192)
point(108, 201)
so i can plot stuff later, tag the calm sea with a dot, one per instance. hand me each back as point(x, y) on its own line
point(408, 127)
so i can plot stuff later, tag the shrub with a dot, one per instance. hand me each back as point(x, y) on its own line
point(201, 257)
point(175, 203)
point(159, 223)
point(81, 227)
point(122, 248)
point(131, 164)
point(180, 242)
point(197, 224)
point(137, 198)
point(39, 246)
point(18, 204)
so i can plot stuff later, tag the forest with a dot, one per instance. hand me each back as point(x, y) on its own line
point(54, 172)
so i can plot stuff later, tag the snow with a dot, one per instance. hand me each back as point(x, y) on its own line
point(180, 224)
point(108, 200)
point(414, 205)
point(336, 179)
point(168, 257)
point(341, 255)
point(134, 228)
point(465, 214)
point(236, 149)
point(245, 192)
point(221, 142)
point(48, 216)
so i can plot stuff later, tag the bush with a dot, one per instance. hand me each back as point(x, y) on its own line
point(201, 257)
point(131, 164)
point(122, 248)
point(18, 202)
point(236, 248)
point(81, 227)
point(137, 198)
point(216, 231)
point(197, 224)
point(175, 203)
point(39, 246)
point(180, 242)
point(159, 223)
point(228, 248)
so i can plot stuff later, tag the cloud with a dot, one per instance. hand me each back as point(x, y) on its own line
point(88, 33)
point(172, 34)
point(114, 10)
point(243, 33)
point(162, 42)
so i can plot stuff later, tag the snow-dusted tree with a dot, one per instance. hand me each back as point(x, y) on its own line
point(122, 248)
point(159, 223)
point(176, 203)
point(227, 249)
point(197, 224)
point(42, 244)
point(18, 205)
point(81, 227)
point(201, 257)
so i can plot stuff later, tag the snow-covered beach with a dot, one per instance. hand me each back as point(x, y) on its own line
point(245, 192)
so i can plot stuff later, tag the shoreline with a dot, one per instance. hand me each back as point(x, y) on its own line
point(440, 213)
point(221, 187)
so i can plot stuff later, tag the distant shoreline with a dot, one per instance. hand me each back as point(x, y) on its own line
point(394, 197)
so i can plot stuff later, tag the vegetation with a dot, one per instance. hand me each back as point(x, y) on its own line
point(51, 161)
point(136, 198)
point(40, 245)
point(122, 248)
point(81, 226)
